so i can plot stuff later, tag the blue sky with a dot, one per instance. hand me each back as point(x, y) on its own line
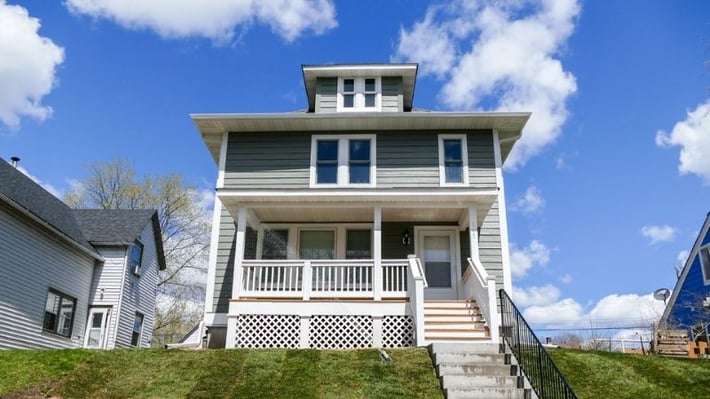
point(607, 188)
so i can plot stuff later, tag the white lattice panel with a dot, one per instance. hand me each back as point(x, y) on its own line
point(340, 332)
point(397, 331)
point(268, 331)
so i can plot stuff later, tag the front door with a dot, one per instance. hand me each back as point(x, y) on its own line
point(96, 328)
point(436, 248)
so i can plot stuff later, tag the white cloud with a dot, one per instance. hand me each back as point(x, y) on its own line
point(524, 259)
point(27, 66)
point(536, 296)
point(47, 186)
point(565, 278)
point(530, 202)
point(693, 136)
point(213, 19)
point(612, 310)
point(658, 234)
point(682, 257)
point(499, 55)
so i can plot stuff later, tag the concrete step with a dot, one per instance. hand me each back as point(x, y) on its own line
point(474, 370)
point(450, 335)
point(477, 381)
point(469, 358)
point(487, 393)
point(466, 326)
point(467, 349)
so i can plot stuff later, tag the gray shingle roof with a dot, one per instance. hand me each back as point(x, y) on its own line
point(34, 199)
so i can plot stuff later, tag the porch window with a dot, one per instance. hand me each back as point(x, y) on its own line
point(453, 160)
point(343, 161)
point(275, 244)
point(317, 244)
point(59, 313)
point(358, 244)
point(704, 254)
point(137, 329)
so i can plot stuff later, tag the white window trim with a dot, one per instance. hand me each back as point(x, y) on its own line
point(706, 278)
point(294, 235)
point(343, 175)
point(464, 156)
point(359, 101)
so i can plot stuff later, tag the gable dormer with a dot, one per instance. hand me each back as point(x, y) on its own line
point(360, 88)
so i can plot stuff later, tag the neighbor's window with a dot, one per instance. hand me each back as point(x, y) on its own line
point(59, 313)
point(343, 160)
point(136, 258)
point(275, 244)
point(137, 329)
point(359, 94)
point(358, 244)
point(705, 262)
point(453, 160)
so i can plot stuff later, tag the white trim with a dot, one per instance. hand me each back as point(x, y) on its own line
point(340, 229)
point(222, 159)
point(377, 251)
point(502, 216)
point(212, 259)
point(343, 175)
point(239, 244)
point(473, 233)
point(464, 159)
point(359, 94)
point(103, 340)
point(454, 235)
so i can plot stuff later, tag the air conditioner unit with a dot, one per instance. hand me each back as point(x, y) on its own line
point(137, 270)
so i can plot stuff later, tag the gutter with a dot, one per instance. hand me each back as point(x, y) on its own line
point(51, 228)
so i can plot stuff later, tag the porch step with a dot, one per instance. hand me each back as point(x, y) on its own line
point(454, 321)
point(479, 370)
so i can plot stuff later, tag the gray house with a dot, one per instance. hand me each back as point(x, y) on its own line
point(361, 221)
point(74, 278)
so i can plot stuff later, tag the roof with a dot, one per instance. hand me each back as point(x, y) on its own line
point(408, 73)
point(119, 227)
point(211, 126)
point(21, 192)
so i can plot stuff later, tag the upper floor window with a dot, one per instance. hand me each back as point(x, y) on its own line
point(136, 258)
point(359, 94)
point(453, 160)
point(59, 313)
point(704, 254)
point(343, 160)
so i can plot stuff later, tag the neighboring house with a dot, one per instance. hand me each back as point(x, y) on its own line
point(689, 304)
point(74, 277)
point(360, 221)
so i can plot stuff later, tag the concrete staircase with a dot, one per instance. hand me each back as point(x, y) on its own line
point(454, 321)
point(477, 370)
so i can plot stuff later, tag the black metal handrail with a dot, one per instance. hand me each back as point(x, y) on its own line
point(533, 359)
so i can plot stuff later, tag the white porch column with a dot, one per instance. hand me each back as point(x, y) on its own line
point(377, 254)
point(239, 252)
point(304, 331)
point(377, 332)
point(473, 232)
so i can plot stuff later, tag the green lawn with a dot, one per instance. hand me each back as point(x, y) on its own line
point(615, 375)
point(273, 373)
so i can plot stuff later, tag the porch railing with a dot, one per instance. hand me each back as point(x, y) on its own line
point(417, 283)
point(351, 278)
point(544, 376)
point(481, 286)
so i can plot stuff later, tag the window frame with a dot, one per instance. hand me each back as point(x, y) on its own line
point(140, 332)
point(464, 159)
point(55, 329)
point(705, 269)
point(359, 94)
point(294, 236)
point(343, 162)
point(136, 267)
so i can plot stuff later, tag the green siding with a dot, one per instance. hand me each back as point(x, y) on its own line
point(392, 100)
point(489, 245)
point(224, 269)
point(481, 161)
point(326, 94)
point(268, 160)
point(407, 159)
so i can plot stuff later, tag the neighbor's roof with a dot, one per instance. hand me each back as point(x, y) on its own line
point(21, 192)
point(119, 227)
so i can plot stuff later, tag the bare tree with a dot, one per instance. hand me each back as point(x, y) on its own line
point(185, 227)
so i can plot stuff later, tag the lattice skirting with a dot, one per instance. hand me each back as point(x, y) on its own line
point(323, 331)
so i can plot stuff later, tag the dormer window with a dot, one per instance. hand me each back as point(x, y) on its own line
point(359, 94)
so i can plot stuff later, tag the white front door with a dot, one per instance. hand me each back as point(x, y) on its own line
point(96, 328)
point(436, 247)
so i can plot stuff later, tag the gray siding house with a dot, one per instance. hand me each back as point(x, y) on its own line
point(359, 222)
point(74, 278)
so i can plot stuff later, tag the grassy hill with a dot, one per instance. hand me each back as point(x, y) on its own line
point(313, 374)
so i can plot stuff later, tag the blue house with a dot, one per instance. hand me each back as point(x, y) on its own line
point(689, 305)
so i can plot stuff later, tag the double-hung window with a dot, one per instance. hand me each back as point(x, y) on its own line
point(342, 161)
point(359, 94)
point(136, 258)
point(704, 254)
point(453, 160)
point(59, 313)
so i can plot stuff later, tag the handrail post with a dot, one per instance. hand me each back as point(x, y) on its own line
point(416, 298)
point(306, 284)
